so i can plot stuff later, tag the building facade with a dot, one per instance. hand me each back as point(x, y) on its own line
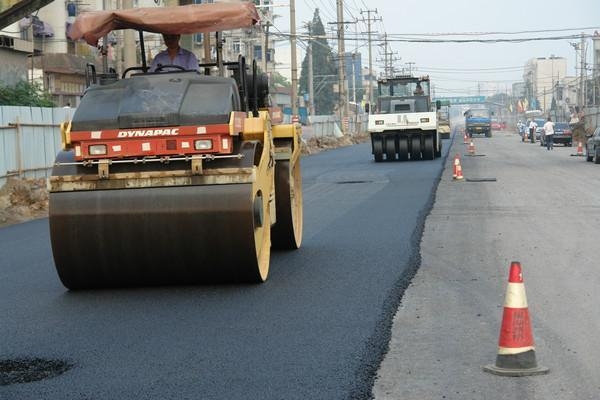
point(542, 77)
point(44, 36)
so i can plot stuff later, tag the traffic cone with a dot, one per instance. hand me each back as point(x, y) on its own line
point(458, 169)
point(516, 352)
point(454, 165)
point(580, 149)
point(471, 148)
point(466, 139)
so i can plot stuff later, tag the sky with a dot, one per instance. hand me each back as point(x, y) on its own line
point(456, 69)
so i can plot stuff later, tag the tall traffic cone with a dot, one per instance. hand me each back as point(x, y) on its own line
point(466, 138)
point(580, 149)
point(471, 148)
point(454, 165)
point(457, 169)
point(516, 352)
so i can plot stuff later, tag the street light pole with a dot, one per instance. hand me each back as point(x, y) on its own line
point(294, 92)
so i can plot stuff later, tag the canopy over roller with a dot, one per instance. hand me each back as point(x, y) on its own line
point(193, 18)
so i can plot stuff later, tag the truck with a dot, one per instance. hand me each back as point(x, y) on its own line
point(478, 121)
point(175, 176)
point(404, 124)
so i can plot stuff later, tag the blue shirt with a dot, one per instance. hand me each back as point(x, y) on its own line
point(184, 58)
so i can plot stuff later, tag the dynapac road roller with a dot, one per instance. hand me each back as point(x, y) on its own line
point(175, 177)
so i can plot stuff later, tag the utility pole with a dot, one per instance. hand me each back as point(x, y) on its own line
point(343, 106)
point(294, 93)
point(129, 53)
point(410, 64)
point(311, 83)
point(369, 20)
point(388, 58)
point(582, 73)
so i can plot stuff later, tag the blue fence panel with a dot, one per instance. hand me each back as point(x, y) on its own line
point(29, 140)
point(9, 143)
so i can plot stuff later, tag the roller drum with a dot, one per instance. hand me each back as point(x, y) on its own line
point(156, 236)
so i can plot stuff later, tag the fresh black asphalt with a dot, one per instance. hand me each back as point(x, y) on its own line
point(317, 329)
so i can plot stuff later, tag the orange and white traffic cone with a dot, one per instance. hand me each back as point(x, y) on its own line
point(454, 165)
point(516, 352)
point(466, 138)
point(457, 169)
point(580, 149)
point(471, 148)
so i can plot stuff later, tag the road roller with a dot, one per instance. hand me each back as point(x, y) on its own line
point(173, 177)
point(404, 125)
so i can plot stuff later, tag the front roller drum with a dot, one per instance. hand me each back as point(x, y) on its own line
point(161, 235)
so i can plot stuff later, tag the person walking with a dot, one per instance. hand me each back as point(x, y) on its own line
point(532, 128)
point(521, 128)
point(549, 134)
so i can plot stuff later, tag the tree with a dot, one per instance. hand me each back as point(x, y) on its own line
point(25, 93)
point(324, 70)
point(278, 80)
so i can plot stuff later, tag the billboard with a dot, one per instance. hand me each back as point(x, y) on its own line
point(462, 100)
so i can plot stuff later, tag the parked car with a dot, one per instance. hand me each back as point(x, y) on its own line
point(562, 134)
point(592, 147)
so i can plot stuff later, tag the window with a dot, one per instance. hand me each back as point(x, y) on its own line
point(71, 9)
point(258, 53)
point(199, 37)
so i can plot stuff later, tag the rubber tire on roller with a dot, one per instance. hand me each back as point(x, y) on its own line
point(438, 149)
point(428, 151)
point(162, 235)
point(286, 234)
point(415, 148)
point(378, 148)
point(403, 148)
point(390, 148)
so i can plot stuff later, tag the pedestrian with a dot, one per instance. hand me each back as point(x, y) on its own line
point(532, 128)
point(521, 128)
point(549, 134)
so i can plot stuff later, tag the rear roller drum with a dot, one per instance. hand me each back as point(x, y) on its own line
point(287, 232)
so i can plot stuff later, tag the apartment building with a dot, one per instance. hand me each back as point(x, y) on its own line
point(43, 44)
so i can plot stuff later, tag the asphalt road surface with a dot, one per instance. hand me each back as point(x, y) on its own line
point(543, 210)
point(317, 329)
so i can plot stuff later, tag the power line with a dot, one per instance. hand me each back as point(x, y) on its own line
point(498, 32)
point(501, 40)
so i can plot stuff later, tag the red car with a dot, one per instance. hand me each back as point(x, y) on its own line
point(498, 126)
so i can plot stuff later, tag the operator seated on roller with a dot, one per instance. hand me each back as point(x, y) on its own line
point(174, 55)
point(418, 90)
